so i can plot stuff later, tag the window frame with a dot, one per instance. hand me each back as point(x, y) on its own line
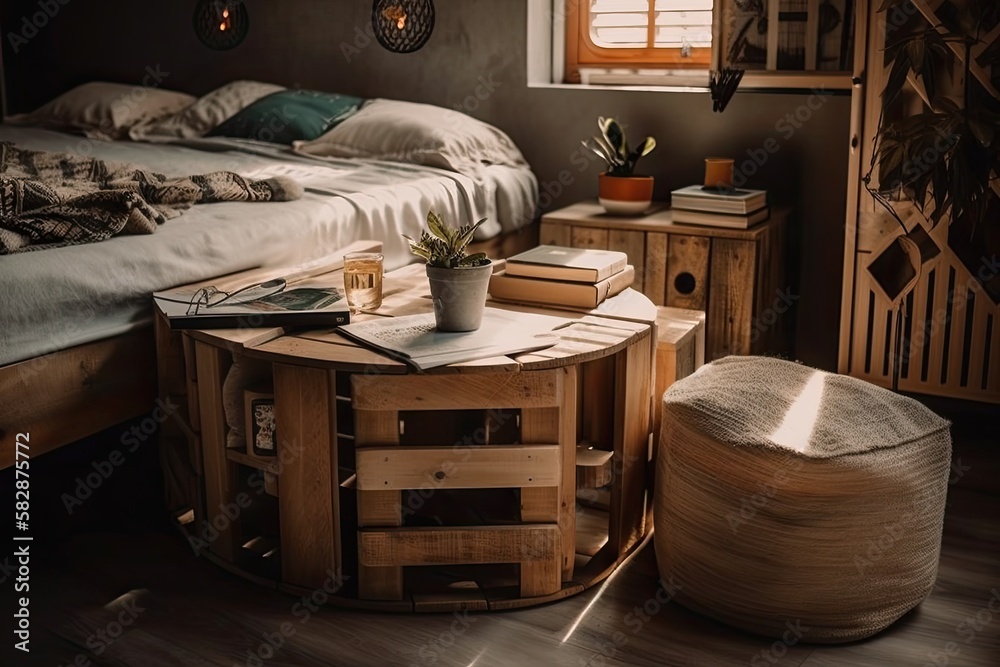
point(581, 52)
point(566, 68)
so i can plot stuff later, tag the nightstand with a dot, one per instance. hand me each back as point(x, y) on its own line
point(736, 276)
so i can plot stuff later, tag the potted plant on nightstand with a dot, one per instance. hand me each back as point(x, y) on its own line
point(458, 281)
point(620, 191)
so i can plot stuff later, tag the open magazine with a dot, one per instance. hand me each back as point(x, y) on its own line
point(416, 340)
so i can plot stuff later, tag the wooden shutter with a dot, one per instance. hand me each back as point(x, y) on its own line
point(639, 33)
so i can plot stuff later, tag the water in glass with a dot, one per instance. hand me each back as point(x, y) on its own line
point(363, 281)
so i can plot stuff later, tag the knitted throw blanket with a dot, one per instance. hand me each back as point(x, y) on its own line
point(49, 199)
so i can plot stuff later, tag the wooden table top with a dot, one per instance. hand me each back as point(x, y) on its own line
point(582, 335)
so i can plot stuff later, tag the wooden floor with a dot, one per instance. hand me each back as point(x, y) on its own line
point(109, 564)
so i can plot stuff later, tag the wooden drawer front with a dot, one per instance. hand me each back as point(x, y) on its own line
point(730, 298)
point(633, 244)
point(655, 268)
point(589, 237)
point(687, 272)
point(553, 234)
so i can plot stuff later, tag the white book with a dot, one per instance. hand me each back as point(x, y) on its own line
point(696, 198)
point(585, 265)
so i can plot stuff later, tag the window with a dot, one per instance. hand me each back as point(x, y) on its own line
point(674, 42)
point(656, 34)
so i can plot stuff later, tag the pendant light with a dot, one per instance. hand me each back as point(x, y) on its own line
point(403, 26)
point(221, 24)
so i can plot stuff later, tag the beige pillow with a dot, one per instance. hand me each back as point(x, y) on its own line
point(102, 110)
point(206, 113)
point(419, 133)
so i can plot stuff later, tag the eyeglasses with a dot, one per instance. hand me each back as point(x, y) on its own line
point(211, 297)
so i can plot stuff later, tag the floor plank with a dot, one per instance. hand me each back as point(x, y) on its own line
point(194, 613)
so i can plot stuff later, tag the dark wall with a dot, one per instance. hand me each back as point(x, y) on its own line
point(475, 61)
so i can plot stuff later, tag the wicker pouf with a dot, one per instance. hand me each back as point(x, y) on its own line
point(792, 498)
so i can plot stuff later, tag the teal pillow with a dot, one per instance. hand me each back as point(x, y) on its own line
point(289, 115)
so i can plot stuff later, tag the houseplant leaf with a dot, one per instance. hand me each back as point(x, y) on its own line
point(598, 150)
point(467, 234)
point(915, 51)
point(615, 136)
point(982, 130)
point(608, 149)
point(939, 177)
point(891, 158)
point(897, 77)
point(436, 225)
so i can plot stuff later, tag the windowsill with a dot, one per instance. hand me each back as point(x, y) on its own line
point(760, 82)
point(619, 87)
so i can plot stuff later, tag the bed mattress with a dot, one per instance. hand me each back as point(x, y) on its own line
point(57, 298)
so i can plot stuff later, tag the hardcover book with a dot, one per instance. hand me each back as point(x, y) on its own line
point(265, 297)
point(572, 264)
point(313, 307)
point(725, 220)
point(740, 201)
point(554, 292)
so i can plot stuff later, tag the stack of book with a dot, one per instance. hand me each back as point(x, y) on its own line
point(733, 209)
point(558, 276)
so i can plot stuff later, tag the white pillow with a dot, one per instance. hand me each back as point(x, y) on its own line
point(102, 110)
point(419, 133)
point(209, 111)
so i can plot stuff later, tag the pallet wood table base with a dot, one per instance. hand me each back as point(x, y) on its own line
point(455, 489)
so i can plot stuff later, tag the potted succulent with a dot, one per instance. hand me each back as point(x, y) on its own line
point(458, 281)
point(621, 192)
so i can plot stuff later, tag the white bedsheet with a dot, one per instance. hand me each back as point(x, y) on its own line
point(57, 298)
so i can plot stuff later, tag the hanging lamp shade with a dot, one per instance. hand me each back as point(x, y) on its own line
point(221, 24)
point(403, 26)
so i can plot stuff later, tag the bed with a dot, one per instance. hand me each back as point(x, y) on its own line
point(76, 349)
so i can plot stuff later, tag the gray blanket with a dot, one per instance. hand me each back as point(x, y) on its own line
point(51, 199)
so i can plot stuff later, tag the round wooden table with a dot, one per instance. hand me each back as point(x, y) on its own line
point(491, 484)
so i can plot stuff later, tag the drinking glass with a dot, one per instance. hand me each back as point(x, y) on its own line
point(363, 280)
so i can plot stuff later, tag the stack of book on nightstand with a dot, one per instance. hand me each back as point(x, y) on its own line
point(558, 276)
point(733, 209)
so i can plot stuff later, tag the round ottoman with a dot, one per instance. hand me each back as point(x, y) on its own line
point(792, 499)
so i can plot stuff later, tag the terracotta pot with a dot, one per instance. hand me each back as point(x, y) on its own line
point(459, 296)
point(625, 195)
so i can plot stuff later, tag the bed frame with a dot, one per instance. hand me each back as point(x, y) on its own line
point(64, 396)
